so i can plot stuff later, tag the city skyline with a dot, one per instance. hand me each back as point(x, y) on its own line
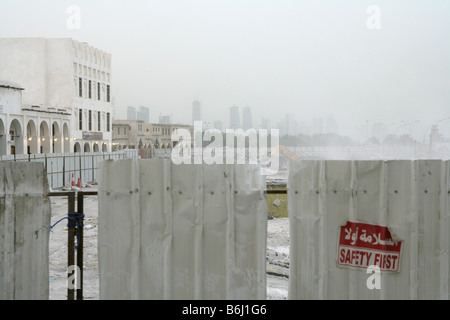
point(308, 59)
point(289, 125)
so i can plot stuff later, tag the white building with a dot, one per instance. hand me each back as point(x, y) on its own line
point(30, 130)
point(136, 134)
point(66, 93)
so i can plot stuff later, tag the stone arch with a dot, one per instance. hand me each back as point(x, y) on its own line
point(32, 140)
point(16, 138)
point(95, 147)
point(66, 138)
point(44, 137)
point(104, 147)
point(2, 139)
point(56, 138)
point(87, 147)
point(76, 147)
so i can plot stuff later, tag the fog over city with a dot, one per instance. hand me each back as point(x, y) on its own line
point(225, 150)
point(357, 62)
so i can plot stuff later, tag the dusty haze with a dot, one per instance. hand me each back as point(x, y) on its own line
point(310, 59)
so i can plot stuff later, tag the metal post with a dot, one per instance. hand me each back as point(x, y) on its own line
point(72, 233)
point(64, 170)
point(80, 166)
point(70, 244)
point(80, 209)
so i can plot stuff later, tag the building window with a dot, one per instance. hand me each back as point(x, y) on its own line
point(80, 119)
point(107, 121)
point(98, 90)
point(98, 121)
point(90, 121)
point(108, 92)
point(90, 89)
point(80, 87)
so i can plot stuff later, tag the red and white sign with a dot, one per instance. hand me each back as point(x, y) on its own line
point(362, 245)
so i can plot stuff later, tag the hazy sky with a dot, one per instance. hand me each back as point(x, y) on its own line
point(307, 58)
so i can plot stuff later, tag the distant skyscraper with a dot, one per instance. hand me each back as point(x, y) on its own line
point(143, 114)
point(164, 119)
point(235, 121)
point(131, 113)
point(247, 121)
point(196, 111)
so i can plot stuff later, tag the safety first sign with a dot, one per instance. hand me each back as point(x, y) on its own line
point(361, 245)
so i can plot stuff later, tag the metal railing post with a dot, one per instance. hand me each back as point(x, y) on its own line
point(70, 245)
point(80, 210)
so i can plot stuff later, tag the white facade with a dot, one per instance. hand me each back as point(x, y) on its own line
point(136, 134)
point(63, 79)
point(29, 130)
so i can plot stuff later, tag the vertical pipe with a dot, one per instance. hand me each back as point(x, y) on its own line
point(80, 165)
point(64, 170)
point(70, 245)
point(80, 211)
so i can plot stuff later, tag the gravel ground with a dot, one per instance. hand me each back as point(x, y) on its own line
point(277, 257)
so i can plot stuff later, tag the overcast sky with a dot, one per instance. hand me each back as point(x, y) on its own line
point(307, 58)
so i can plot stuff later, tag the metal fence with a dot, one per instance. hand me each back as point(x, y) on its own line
point(63, 168)
point(348, 216)
point(181, 231)
point(25, 213)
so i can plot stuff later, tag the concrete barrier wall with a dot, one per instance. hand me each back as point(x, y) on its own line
point(24, 231)
point(339, 211)
point(181, 231)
